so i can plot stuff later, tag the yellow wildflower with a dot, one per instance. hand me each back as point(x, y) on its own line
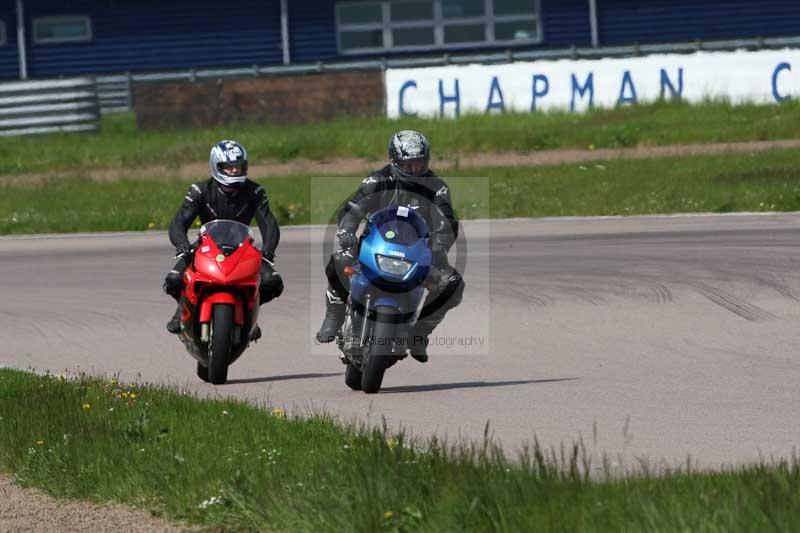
point(278, 412)
point(87, 406)
point(388, 514)
point(40, 443)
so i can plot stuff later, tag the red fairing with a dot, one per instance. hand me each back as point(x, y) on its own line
point(222, 298)
point(233, 280)
point(241, 267)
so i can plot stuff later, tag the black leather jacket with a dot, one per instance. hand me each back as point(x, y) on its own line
point(207, 201)
point(429, 195)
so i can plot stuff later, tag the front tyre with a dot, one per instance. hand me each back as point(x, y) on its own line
point(352, 377)
point(378, 354)
point(220, 347)
point(202, 372)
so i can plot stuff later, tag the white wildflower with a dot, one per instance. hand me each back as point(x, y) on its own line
point(214, 500)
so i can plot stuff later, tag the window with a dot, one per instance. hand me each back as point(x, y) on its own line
point(377, 26)
point(61, 29)
point(3, 34)
point(462, 8)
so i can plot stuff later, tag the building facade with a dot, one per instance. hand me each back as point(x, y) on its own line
point(50, 38)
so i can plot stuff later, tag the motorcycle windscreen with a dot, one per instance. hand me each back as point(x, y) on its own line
point(228, 235)
point(400, 225)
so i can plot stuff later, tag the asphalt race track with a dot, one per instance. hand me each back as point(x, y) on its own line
point(656, 337)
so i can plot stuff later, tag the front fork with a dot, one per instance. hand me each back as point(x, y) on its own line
point(354, 332)
point(357, 327)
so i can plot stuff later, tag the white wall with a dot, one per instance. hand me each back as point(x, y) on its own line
point(740, 76)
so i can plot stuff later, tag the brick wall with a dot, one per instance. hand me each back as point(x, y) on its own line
point(277, 99)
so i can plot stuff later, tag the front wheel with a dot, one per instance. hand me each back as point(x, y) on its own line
point(352, 377)
point(378, 354)
point(202, 372)
point(220, 347)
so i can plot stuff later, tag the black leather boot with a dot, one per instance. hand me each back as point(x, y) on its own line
point(419, 341)
point(174, 324)
point(334, 317)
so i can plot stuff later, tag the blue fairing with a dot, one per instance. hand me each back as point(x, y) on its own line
point(397, 233)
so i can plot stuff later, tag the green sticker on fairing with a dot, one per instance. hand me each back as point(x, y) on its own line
point(390, 234)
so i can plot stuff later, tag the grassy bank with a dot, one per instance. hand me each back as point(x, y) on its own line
point(763, 181)
point(227, 463)
point(121, 146)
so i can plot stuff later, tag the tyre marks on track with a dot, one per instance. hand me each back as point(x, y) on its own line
point(602, 290)
point(732, 303)
point(659, 293)
point(779, 286)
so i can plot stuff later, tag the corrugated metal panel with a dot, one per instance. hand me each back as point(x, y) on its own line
point(31, 107)
point(566, 22)
point(146, 36)
point(312, 30)
point(628, 21)
point(9, 62)
point(9, 56)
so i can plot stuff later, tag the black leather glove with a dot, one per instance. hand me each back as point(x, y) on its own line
point(347, 240)
point(182, 250)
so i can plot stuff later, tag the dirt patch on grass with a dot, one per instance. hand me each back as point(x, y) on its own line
point(359, 167)
point(32, 510)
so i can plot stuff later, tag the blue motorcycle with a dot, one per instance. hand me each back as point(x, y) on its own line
point(387, 285)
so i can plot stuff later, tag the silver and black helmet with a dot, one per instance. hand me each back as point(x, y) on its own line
point(409, 154)
point(224, 154)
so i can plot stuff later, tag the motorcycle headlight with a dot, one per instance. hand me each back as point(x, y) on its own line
point(393, 265)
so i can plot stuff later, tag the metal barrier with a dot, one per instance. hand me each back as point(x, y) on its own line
point(29, 107)
point(115, 91)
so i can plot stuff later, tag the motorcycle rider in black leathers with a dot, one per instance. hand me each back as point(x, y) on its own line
point(227, 195)
point(405, 181)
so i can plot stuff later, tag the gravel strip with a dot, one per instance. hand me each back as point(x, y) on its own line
point(32, 510)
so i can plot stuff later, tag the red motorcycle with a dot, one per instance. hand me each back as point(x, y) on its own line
point(220, 297)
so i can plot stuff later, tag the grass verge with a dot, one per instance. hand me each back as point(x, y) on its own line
point(227, 463)
point(121, 146)
point(760, 181)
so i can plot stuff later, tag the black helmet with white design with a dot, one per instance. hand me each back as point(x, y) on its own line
point(228, 162)
point(409, 154)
